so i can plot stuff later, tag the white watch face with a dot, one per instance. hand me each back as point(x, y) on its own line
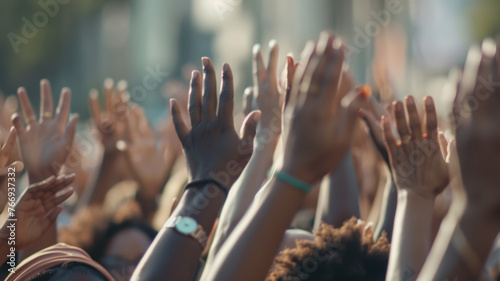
point(186, 225)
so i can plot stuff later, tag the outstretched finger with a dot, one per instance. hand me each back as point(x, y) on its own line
point(16, 121)
point(443, 143)
point(400, 120)
point(51, 190)
point(272, 65)
point(70, 131)
point(249, 127)
point(287, 79)
point(180, 126)
point(108, 95)
point(226, 103)
point(209, 90)
point(46, 183)
point(319, 66)
point(132, 126)
point(259, 69)
point(430, 117)
point(353, 102)
point(26, 107)
point(390, 140)
point(142, 122)
point(413, 118)
point(7, 147)
point(62, 111)
point(46, 105)
point(247, 100)
point(95, 109)
point(51, 217)
point(195, 106)
point(59, 198)
point(334, 74)
point(307, 56)
point(15, 167)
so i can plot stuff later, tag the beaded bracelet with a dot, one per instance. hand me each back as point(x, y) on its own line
point(293, 181)
point(201, 183)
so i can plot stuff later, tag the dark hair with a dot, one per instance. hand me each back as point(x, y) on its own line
point(92, 229)
point(66, 270)
point(336, 254)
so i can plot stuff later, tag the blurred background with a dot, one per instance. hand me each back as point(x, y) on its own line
point(401, 47)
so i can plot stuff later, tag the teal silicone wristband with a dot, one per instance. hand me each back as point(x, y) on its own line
point(293, 181)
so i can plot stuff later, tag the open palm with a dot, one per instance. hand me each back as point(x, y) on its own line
point(45, 142)
point(38, 208)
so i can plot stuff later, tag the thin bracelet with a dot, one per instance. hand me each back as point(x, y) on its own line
point(293, 181)
point(201, 183)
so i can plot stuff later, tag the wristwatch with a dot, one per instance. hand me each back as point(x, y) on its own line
point(189, 227)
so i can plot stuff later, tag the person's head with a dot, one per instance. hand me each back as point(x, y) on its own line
point(118, 246)
point(336, 254)
point(123, 246)
point(60, 262)
point(74, 271)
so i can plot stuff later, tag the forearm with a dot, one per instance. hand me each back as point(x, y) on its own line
point(249, 251)
point(176, 255)
point(242, 194)
point(48, 238)
point(148, 201)
point(451, 258)
point(96, 192)
point(388, 211)
point(411, 236)
point(338, 198)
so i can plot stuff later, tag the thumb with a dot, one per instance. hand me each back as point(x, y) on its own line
point(249, 127)
point(354, 101)
point(17, 166)
point(69, 135)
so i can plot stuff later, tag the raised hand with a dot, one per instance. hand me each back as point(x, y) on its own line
point(319, 134)
point(372, 115)
point(323, 119)
point(467, 233)
point(285, 88)
point(6, 168)
point(45, 142)
point(212, 147)
point(478, 131)
point(110, 122)
point(37, 209)
point(8, 105)
point(417, 162)
point(266, 94)
point(165, 128)
point(144, 157)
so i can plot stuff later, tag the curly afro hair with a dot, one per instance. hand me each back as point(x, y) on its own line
point(336, 254)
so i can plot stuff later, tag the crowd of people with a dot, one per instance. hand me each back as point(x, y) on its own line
point(326, 180)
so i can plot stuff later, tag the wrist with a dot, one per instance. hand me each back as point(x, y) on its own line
point(38, 176)
point(415, 197)
point(110, 155)
point(301, 174)
point(202, 204)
